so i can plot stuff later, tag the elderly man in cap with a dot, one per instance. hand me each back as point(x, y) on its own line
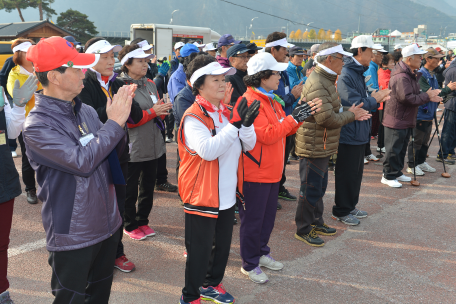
point(317, 140)
point(177, 81)
point(398, 48)
point(426, 112)
point(175, 61)
point(253, 47)
point(311, 54)
point(355, 135)
point(238, 55)
point(295, 70)
point(210, 49)
point(75, 157)
point(401, 111)
point(224, 44)
point(276, 45)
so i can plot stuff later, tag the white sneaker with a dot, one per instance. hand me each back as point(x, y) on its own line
point(371, 157)
point(404, 178)
point(419, 172)
point(365, 160)
point(426, 168)
point(392, 183)
point(256, 275)
point(383, 150)
point(14, 154)
point(269, 262)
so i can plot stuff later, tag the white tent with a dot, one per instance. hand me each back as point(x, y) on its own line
point(396, 33)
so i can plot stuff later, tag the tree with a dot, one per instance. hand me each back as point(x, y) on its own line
point(77, 23)
point(338, 35)
point(305, 35)
point(298, 34)
point(292, 35)
point(328, 35)
point(45, 5)
point(19, 5)
point(321, 34)
point(312, 34)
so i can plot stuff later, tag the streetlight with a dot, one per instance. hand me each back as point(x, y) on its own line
point(171, 22)
point(251, 24)
point(308, 25)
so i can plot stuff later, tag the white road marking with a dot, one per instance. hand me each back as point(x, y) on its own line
point(26, 248)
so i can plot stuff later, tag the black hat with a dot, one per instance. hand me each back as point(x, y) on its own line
point(296, 50)
point(253, 47)
point(236, 50)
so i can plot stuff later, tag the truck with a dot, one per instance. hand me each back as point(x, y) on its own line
point(164, 36)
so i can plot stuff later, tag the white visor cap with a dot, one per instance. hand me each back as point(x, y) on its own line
point(23, 47)
point(213, 68)
point(102, 47)
point(145, 45)
point(281, 42)
point(137, 53)
point(198, 45)
point(209, 47)
point(264, 61)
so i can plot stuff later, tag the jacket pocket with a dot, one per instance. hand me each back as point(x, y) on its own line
point(252, 158)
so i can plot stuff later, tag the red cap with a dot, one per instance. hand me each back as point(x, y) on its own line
point(54, 52)
point(438, 49)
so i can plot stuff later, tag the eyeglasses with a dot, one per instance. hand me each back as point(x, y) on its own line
point(341, 58)
point(276, 73)
point(243, 57)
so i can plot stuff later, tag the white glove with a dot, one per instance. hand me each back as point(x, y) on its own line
point(22, 95)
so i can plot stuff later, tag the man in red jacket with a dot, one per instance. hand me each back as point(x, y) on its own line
point(400, 113)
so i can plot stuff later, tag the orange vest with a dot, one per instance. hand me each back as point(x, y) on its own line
point(198, 178)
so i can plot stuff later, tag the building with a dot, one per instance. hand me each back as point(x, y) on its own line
point(34, 30)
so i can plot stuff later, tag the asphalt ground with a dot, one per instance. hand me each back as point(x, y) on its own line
point(404, 252)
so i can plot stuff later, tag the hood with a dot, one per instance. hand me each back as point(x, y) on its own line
point(452, 65)
point(350, 64)
point(124, 77)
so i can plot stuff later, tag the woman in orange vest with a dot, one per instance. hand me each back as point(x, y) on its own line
point(211, 140)
point(263, 165)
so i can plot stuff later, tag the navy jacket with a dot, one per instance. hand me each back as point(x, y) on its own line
point(427, 111)
point(9, 64)
point(450, 75)
point(184, 99)
point(288, 99)
point(353, 90)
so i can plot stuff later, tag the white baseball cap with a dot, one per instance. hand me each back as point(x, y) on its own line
point(364, 41)
point(398, 46)
point(101, 47)
point(412, 50)
point(281, 42)
point(198, 45)
point(178, 45)
point(136, 53)
point(209, 47)
point(145, 45)
point(213, 68)
point(264, 61)
point(23, 47)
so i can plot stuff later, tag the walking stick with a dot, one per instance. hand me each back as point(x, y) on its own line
point(414, 182)
point(444, 174)
point(441, 117)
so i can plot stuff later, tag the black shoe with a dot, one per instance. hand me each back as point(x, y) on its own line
point(166, 187)
point(288, 161)
point(236, 208)
point(235, 221)
point(293, 157)
point(324, 229)
point(279, 206)
point(31, 197)
point(311, 238)
point(448, 161)
point(285, 195)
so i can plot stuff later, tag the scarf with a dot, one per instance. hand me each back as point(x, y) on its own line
point(211, 108)
point(271, 95)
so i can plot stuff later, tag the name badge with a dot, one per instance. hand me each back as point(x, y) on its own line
point(154, 98)
point(2, 137)
point(130, 145)
point(287, 90)
point(84, 140)
point(341, 109)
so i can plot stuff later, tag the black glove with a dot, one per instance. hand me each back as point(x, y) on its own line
point(252, 113)
point(302, 112)
point(239, 111)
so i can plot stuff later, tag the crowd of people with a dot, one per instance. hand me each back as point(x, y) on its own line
point(93, 143)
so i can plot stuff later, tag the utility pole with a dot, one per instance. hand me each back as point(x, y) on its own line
point(359, 22)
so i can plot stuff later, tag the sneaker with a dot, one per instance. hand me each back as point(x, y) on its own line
point(31, 198)
point(256, 275)
point(279, 206)
point(381, 149)
point(168, 140)
point(324, 229)
point(124, 265)
point(358, 213)
point(426, 168)
point(448, 161)
point(366, 161)
point(235, 221)
point(288, 161)
point(216, 294)
point(166, 187)
point(371, 157)
point(285, 195)
point(418, 171)
point(13, 154)
point(311, 238)
point(392, 183)
point(404, 178)
point(147, 230)
point(438, 110)
point(197, 301)
point(347, 220)
point(136, 234)
point(293, 157)
point(236, 208)
point(269, 262)
point(5, 298)
point(451, 156)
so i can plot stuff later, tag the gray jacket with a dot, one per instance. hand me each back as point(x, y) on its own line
point(74, 181)
point(145, 137)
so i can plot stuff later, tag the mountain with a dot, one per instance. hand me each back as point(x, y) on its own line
point(446, 6)
point(223, 17)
